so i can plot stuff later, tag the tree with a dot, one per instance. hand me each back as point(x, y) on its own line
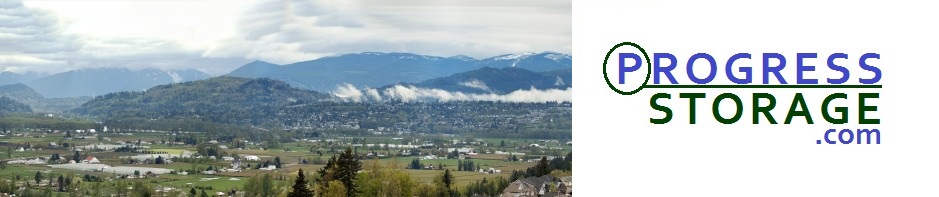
point(277, 162)
point(336, 189)
point(384, 180)
point(299, 187)
point(141, 190)
point(121, 188)
point(485, 187)
point(343, 169)
point(192, 192)
point(415, 164)
point(137, 173)
point(568, 161)
point(61, 182)
point(77, 158)
point(97, 189)
point(259, 186)
point(447, 180)
point(38, 177)
point(542, 168)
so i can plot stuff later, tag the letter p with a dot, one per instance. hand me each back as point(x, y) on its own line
point(622, 66)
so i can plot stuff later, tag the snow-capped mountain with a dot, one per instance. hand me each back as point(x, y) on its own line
point(375, 69)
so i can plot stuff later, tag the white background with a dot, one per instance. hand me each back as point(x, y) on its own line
point(619, 153)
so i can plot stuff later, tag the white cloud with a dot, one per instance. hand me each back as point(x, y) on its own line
point(218, 36)
point(404, 93)
point(286, 31)
point(474, 83)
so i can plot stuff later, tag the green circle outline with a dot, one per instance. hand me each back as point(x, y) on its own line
point(648, 68)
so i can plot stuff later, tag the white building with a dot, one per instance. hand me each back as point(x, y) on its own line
point(91, 159)
point(269, 167)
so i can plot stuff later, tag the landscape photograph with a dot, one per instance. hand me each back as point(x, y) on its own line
point(289, 98)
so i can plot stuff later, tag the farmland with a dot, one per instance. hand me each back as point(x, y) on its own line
point(218, 166)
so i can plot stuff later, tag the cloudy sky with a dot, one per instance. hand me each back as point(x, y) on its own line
point(217, 36)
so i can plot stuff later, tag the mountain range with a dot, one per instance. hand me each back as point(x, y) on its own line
point(498, 75)
point(373, 69)
point(24, 94)
point(99, 81)
point(7, 77)
point(499, 80)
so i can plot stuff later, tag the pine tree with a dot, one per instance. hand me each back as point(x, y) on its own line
point(542, 168)
point(38, 177)
point(192, 192)
point(447, 179)
point(343, 169)
point(299, 187)
point(61, 182)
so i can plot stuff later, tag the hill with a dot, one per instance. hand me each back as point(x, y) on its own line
point(8, 105)
point(229, 100)
point(25, 94)
point(99, 81)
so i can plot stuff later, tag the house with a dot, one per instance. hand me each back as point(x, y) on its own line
point(252, 158)
point(236, 164)
point(90, 159)
point(519, 189)
point(461, 150)
point(531, 186)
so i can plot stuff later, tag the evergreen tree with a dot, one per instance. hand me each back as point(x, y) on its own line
point(38, 177)
point(61, 182)
point(415, 164)
point(542, 168)
point(343, 169)
point(447, 179)
point(299, 187)
point(192, 192)
point(568, 161)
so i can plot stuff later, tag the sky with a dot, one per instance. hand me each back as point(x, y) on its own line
point(217, 36)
